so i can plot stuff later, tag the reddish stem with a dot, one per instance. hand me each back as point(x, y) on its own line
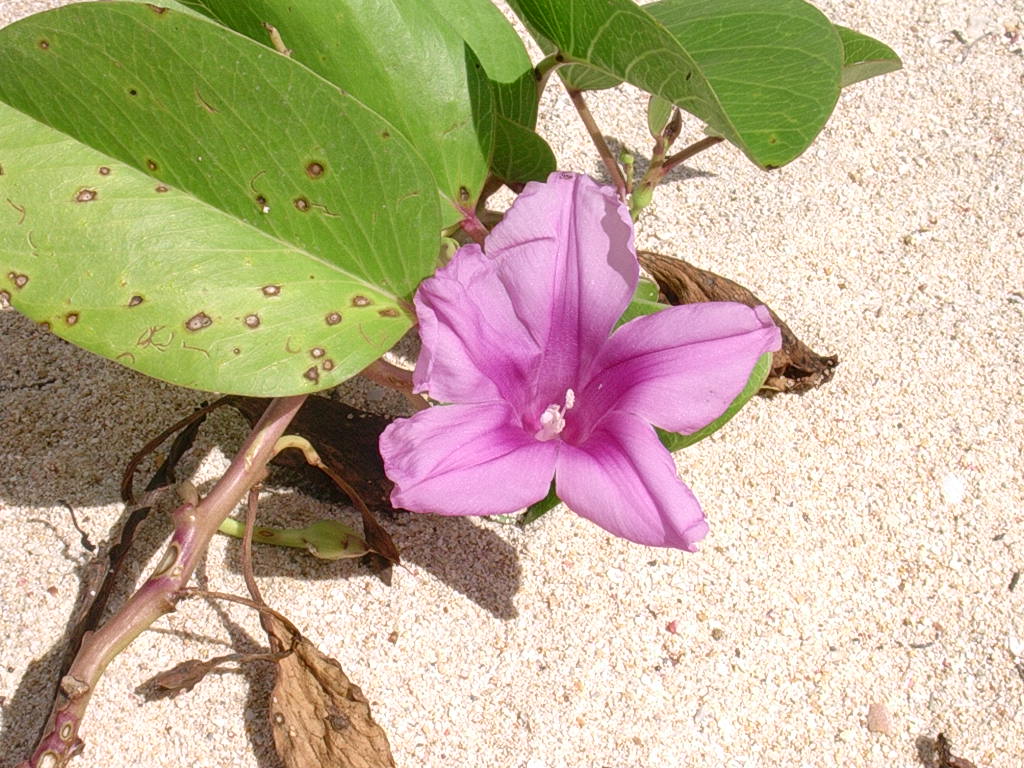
point(194, 526)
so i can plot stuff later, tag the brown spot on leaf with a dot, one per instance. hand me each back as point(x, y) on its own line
point(86, 195)
point(314, 170)
point(151, 164)
point(132, 92)
point(338, 720)
point(317, 352)
point(463, 194)
point(301, 204)
point(20, 281)
point(312, 374)
point(333, 318)
point(204, 103)
point(21, 213)
point(5, 300)
point(44, 44)
point(198, 321)
point(44, 326)
point(71, 318)
point(160, 188)
point(236, 351)
point(327, 365)
point(360, 301)
point(388, 312)
point(385, 135)
point(252, 321)
point(104, 170)
point(134, 301)
point(271, 290)
point(158, 10)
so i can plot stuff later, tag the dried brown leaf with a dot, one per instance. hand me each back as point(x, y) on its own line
point(795, 367)
point(318, 716)
point(182, 677)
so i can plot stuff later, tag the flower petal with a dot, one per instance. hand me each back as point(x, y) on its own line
point(624, 480)
point(474, 349)
point(569, 268)
point(679, 368)
point(466, 460)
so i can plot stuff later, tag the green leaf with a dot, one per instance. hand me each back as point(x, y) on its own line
point(763, 73)
point(865, 57)
point(520, 154)
point(401, 59)
point(228, 222)
point(676, 442)
point(539, 508)
point(644, 302)
point(580, 77)
point(659, 112)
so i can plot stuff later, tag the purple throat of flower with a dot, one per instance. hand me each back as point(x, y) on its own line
point(520, 341)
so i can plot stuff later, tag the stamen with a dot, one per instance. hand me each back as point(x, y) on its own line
point(552, 421)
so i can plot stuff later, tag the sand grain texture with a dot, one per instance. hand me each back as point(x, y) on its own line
point(864, 537)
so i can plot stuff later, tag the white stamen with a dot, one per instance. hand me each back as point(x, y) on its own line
point(552, 421)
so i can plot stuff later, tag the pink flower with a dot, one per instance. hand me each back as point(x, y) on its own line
point(518, 337)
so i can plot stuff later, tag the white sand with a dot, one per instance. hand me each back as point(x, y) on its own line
point(838, 572)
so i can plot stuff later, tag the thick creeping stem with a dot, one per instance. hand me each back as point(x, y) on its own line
point(194, 526)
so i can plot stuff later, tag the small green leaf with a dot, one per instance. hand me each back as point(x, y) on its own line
point(644, 302)
point(659, 112)
point(865, 57)
point(232, 222)
point(676, 442)
point(539, 508)
point(520, 154)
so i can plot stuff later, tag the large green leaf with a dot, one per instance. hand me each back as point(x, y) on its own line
point(199, 207)
point(865, 57)
point(763, 73)
point(401, 59)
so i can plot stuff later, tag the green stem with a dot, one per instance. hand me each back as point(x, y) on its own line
point(194, 526)
point(542, 72)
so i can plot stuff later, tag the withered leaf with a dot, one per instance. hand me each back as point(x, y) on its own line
point(318, 716)
point(186, 675)
point(181, 677)
point(795, 367)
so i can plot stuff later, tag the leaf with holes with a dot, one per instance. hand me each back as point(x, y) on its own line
point(401, 59)
point(229, 222)
point(763, 73)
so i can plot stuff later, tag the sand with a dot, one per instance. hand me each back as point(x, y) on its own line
point(865, 538)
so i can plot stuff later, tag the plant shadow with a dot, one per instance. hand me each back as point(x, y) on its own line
point(71, 422)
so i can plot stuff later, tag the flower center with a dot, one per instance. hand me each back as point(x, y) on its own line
point(552, 421)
